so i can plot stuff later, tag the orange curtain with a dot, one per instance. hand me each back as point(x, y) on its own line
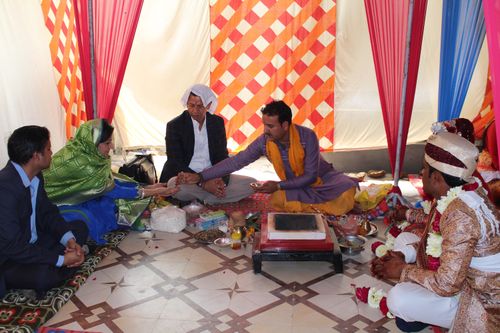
point(59, 18)
point(263, 50)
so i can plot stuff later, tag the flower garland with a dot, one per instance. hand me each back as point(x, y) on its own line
point(375, 298)
point(433, 248)
point(379, 248)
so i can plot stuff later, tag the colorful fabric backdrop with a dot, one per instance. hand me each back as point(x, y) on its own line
point(263, 50)
point(59, 16)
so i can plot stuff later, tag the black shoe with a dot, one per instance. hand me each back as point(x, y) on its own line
point(410, 326)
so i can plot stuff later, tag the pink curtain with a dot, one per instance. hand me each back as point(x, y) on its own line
point(492, 15)
point(388, 25)
point(115, 23)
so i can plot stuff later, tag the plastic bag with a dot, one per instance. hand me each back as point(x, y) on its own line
point(169, 219)
point(370, 197)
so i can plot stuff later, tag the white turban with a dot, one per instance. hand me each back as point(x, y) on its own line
point(451, 154)
point(205, 93)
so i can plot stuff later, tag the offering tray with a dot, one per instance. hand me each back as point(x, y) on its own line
point(266, 249)
point(295, 226)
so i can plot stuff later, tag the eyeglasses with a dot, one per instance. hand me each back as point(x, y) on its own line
point(195, 106)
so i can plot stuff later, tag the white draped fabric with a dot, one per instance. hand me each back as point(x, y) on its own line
point(358, 116)
point(171, 51)
point(28, 94)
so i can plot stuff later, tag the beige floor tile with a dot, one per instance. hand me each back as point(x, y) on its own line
point(334, 285)
point(176, 309)
point(151, 309)
point(174, 326)
point(169, 268)
point(250, 281)
point(220, 280)
point(313, 329)
point(244, 302)
point(212, 301)
point(278, 315)
point(269, 328)
point(193, 269)
point(136, 324)
point(63, 314)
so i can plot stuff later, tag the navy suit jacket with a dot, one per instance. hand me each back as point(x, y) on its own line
point(179, 140)
point(15, 213)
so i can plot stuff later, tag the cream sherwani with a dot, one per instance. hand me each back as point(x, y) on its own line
point(464, 293)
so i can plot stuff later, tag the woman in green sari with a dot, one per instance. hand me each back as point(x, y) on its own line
point(81, 183)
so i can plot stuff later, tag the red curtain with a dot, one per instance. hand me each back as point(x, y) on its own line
point(115, 23)
point(491, 15)
point(388, 26)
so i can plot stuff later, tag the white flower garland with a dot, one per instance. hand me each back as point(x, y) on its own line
point(435, 240)
point(374, 297)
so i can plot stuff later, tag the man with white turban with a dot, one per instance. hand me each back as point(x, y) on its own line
point(195, 141)
point(455, 281)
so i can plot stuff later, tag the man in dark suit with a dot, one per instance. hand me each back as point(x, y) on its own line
point(196, 140)
point(38, 249)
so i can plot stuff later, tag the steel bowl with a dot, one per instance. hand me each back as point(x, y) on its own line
point(352, 244)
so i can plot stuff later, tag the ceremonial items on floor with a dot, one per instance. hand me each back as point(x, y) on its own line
point(293, 249)
point(210, 220)
point(352, 244)
point(208, 236)
point(376, 173)
point(169, 219)
point(295, 226)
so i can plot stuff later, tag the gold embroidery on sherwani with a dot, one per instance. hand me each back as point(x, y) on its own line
point(479, 292)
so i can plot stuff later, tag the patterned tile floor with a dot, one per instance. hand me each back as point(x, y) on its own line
point(161, 282)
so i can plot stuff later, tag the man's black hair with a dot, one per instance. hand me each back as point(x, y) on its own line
point(280, 109)
point(25, 141)
point(451, 181)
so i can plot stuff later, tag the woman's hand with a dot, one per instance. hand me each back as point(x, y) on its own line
point(160, 189)
point(157, 185)
point(167, 191)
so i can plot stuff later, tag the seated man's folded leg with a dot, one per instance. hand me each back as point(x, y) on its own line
point(413, 303)
point(40, 277)
point(410, 326)
point(187, 192)
point(238, 188)
point(338, 206)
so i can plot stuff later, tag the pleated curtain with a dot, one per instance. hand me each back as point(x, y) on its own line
point(462, 36)
point(114, 27)
point(388, 23)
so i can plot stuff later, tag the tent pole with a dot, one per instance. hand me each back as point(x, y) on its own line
point(92, 58)
point(403, 96)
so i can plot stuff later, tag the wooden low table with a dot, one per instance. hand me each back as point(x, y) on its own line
point(265, 249)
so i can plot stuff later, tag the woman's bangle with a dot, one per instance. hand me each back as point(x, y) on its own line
point(141, 193)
